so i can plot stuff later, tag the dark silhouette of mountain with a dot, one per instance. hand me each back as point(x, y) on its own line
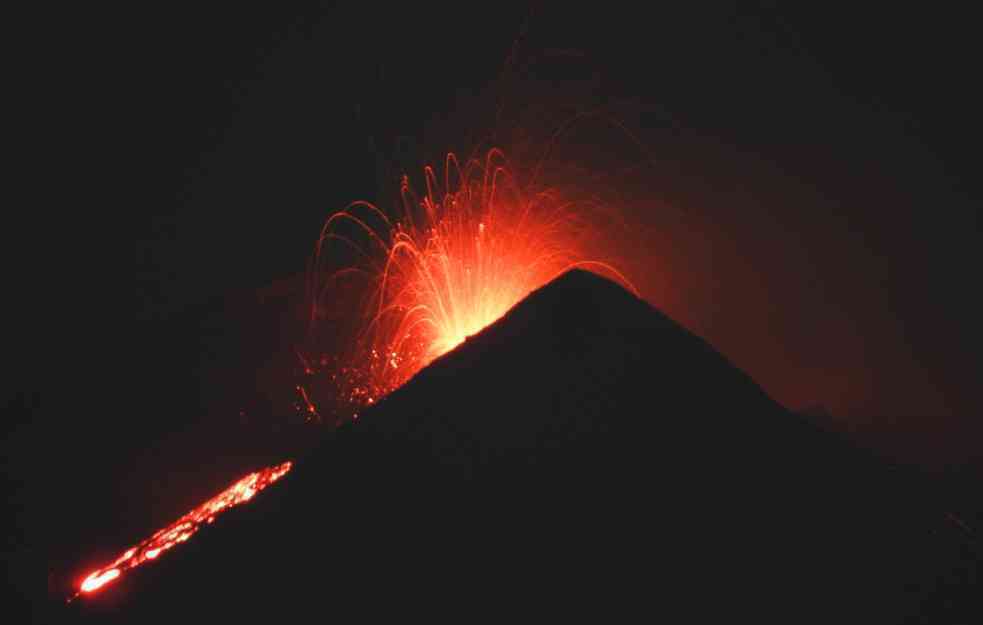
point(817, 412)
point(583, 456)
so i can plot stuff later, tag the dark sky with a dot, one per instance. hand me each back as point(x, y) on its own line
point(810, 206)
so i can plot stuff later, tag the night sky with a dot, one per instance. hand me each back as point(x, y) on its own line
point(800, 189)
point(805, 192)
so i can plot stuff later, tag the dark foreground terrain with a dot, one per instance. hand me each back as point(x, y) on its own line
point(584, 456)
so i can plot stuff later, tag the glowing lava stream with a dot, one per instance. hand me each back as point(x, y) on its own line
point(184, 528)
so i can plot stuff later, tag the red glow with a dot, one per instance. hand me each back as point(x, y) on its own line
point(185, 527)
point(449, 264)
point(98, 579)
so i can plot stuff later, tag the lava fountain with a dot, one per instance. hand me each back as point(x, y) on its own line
point(440, 269)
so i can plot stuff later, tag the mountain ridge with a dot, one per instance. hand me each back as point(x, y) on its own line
point(583, 454)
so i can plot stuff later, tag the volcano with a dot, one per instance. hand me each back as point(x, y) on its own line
point(584, 455)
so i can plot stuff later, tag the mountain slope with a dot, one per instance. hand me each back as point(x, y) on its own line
point(584, 454)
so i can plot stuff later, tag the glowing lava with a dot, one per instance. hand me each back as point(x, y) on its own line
point(444, 268)
point(185, 527)
point(99, 579)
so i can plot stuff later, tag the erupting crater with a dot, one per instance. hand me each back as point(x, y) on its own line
point(416, 283)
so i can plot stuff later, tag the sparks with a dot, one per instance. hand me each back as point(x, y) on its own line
point(184, 528)
point(308, 405)
point(442, 269)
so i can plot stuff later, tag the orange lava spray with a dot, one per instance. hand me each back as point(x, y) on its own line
point(443, 267)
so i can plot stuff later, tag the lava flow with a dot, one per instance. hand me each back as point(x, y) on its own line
point(184, 528)
point(441, 269)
